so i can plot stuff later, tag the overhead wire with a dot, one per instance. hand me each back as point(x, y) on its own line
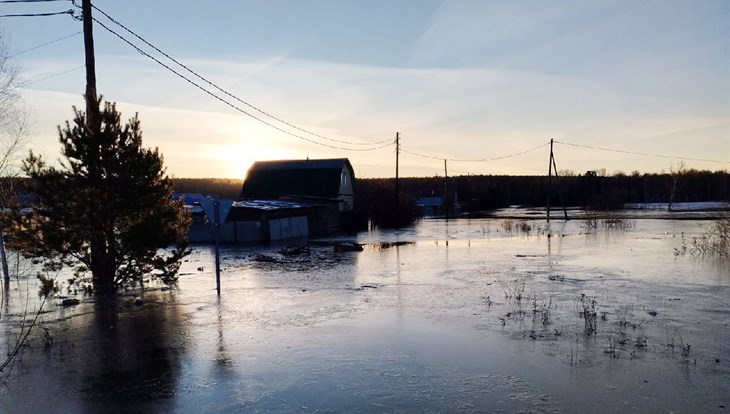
point(71, 12)
point(30, 1)
point(24, 84)
point(475, 159)
point(237, 108)
point(638, 153)
point(44, 44)
point(210, 83)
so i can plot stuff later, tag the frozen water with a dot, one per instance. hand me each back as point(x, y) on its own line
point(449, 316)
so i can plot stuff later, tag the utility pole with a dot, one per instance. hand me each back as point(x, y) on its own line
point(550, 179)
point(397, 190)
point(551, 167)
point(446, 190)
point(89, 53)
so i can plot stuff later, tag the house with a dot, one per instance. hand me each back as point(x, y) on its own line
point(318, 180)
point(324, 189)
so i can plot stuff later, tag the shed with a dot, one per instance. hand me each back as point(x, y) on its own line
point(270, 220)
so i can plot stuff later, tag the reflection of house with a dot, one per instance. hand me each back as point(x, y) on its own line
point(323, 191)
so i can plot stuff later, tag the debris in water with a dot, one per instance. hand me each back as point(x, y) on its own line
point(348, 247)
point(294, 250)
point(557, 278)
point(70, 302)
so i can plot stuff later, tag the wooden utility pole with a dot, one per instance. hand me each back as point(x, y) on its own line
point(89, 53)
point(550, 179)
point(446, 190)
point(551, 167)
point(397, 189)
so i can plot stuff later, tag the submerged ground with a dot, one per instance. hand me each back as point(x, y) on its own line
point(451, 316)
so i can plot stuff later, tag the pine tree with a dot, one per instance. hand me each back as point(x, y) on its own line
point(107, 209)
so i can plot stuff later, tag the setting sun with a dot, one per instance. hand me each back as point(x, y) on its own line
point(238, 158)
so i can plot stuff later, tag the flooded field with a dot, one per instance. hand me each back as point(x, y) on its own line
point(488, 315)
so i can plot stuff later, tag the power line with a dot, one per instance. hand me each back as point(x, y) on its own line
point(639, 153)
point(44, 44)
point(237, 108)
point(476, 159)
point(228, 93)
point(24, 84)
point(71, 12)
point(30, 1)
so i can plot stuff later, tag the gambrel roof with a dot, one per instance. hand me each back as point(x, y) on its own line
point(307, 178)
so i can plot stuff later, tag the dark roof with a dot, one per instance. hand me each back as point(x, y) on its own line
point(310, 178)
point(253, 210)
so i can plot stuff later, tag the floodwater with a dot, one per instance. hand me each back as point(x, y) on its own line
point(450, 316)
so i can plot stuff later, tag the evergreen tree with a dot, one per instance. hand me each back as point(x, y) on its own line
point(108, 209)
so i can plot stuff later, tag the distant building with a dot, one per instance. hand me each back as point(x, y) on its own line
point(431, 206)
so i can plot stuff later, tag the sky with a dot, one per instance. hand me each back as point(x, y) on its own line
point(458, 80)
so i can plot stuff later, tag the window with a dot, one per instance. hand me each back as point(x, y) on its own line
point(343, 178)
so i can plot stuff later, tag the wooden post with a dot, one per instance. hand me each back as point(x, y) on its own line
point(217, 226)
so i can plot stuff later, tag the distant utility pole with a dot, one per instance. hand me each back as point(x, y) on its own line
point(446, 190)
point(551, 167)
point(550, 179)
point(397, 190)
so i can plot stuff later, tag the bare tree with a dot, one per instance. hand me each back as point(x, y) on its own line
point(676, 174)
point(13, 127)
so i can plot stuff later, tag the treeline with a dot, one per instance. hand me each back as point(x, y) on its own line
point(218, 187)
point(479, 193)
point(590, 190)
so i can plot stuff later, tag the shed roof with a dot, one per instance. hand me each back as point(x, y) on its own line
point(310, 178)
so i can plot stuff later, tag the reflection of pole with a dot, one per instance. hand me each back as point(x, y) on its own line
point(217, 224)
point(4, 257)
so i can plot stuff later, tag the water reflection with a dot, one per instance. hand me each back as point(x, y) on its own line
point(117, 357)
point(133, 356)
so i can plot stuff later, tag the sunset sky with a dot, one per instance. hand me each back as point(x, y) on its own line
point(458, 79)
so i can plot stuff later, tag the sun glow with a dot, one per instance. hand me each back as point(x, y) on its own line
point(239, 158)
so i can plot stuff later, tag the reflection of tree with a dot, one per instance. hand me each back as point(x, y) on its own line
point(130, 358)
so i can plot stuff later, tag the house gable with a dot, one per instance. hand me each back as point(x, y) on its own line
point(327, 178)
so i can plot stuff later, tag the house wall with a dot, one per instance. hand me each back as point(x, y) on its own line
point(246, 231)
point(347, 189)
point(288, 227)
